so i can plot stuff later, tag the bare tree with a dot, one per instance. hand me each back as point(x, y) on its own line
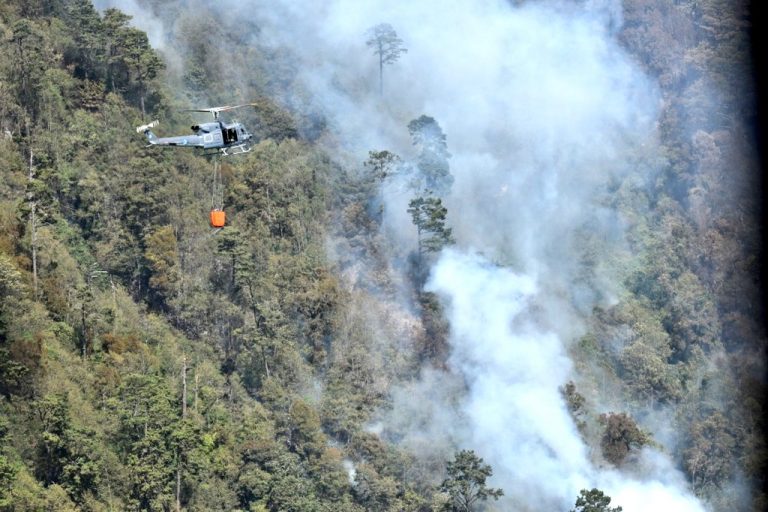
point(385, 43)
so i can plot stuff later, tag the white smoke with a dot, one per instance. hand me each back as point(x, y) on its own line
point(542, 111)
point(517, 420)
point(349, 467)
point(141, 18)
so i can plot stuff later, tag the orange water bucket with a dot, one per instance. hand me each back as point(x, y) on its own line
point(218, 218)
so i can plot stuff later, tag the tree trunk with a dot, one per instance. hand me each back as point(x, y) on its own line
point(381, 75)
point(178, 488)
point(84, 327)
point(184, 388)
point(141, 101)
point(197, 381)
point(183, 416)
point(264, 358)
point(32, 218)
point(419, 251)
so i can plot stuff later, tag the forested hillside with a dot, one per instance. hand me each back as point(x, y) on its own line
point(314, 355)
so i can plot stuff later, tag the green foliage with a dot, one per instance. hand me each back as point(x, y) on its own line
point(7, 468)
point(706, 458)
point(594, 500)
point(374, 492)
point(434, 174)
point(30, 58)
point(148, 422)
point(429, 217)
point(66, 455)
point(87, 50)
point(28, 494)
point(274, 123)
point(621, 434)
point(434, 344)
point(330, 477)
point(10, 279)
point(576, 405)
point(465, 483)
point(644, 359)
point(304, 436)
point(161, 253)
point(382, 164)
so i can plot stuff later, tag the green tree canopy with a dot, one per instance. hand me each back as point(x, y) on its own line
point(434, 173)
point(428, 214)
point(621, 434)
point(465, 483)
point(594, 501)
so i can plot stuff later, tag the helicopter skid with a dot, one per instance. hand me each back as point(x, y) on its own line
point(235, 150)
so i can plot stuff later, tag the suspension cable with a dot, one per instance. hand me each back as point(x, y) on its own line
point(217, 189)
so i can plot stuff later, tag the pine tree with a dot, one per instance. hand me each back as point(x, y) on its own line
point(594, 501)
point(434, 171)
point(466, 482)
point(428, 214)
point(385, 43)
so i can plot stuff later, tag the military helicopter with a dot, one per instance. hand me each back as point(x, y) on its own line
point(212, 138)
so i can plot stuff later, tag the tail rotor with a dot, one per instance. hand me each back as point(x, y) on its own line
point(146, 127)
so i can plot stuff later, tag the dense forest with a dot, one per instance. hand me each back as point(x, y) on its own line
point(309, 356)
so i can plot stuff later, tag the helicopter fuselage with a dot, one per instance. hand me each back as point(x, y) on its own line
point(207, 136)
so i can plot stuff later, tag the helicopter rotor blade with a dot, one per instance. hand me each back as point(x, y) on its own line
point(238, 106)
point(215, 110)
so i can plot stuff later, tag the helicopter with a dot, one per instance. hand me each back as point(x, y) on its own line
point(212, 138)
